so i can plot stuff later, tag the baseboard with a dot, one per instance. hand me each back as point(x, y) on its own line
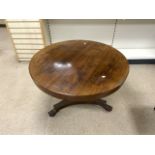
point(141, 61)
point(2, 25)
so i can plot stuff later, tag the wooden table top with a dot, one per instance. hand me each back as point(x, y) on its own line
point(79, 69)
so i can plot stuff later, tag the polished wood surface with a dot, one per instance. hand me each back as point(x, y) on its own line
point(79, 70)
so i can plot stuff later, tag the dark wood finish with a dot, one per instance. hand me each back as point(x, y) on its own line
point(63, 104)
point(79, 70)
point(2, 25)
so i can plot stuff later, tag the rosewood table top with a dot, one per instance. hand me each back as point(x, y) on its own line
point(79, 69)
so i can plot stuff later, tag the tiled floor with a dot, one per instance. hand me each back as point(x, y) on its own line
point(23, 107)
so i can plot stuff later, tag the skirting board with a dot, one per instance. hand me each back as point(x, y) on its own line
point(136, 54)
point(142, 61)
point(139, 56)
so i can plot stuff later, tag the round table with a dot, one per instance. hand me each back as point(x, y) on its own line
point(79, 72)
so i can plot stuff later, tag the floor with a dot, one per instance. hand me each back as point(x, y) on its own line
point(23, 107)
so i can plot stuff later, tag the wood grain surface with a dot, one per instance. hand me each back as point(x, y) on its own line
point(79, 70)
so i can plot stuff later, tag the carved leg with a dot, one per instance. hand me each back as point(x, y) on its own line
point(63, 104)
point(103, 103)
point(59, 106)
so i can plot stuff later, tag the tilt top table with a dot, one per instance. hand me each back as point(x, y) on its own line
point(79, 72)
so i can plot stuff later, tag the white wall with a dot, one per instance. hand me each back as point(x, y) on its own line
point(99, 30)
point(134, 38)
point(135, 34)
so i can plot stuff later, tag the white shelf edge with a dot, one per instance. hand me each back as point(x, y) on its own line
point(138, 53)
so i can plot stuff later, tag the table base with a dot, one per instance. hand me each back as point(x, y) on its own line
point(62, 104)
